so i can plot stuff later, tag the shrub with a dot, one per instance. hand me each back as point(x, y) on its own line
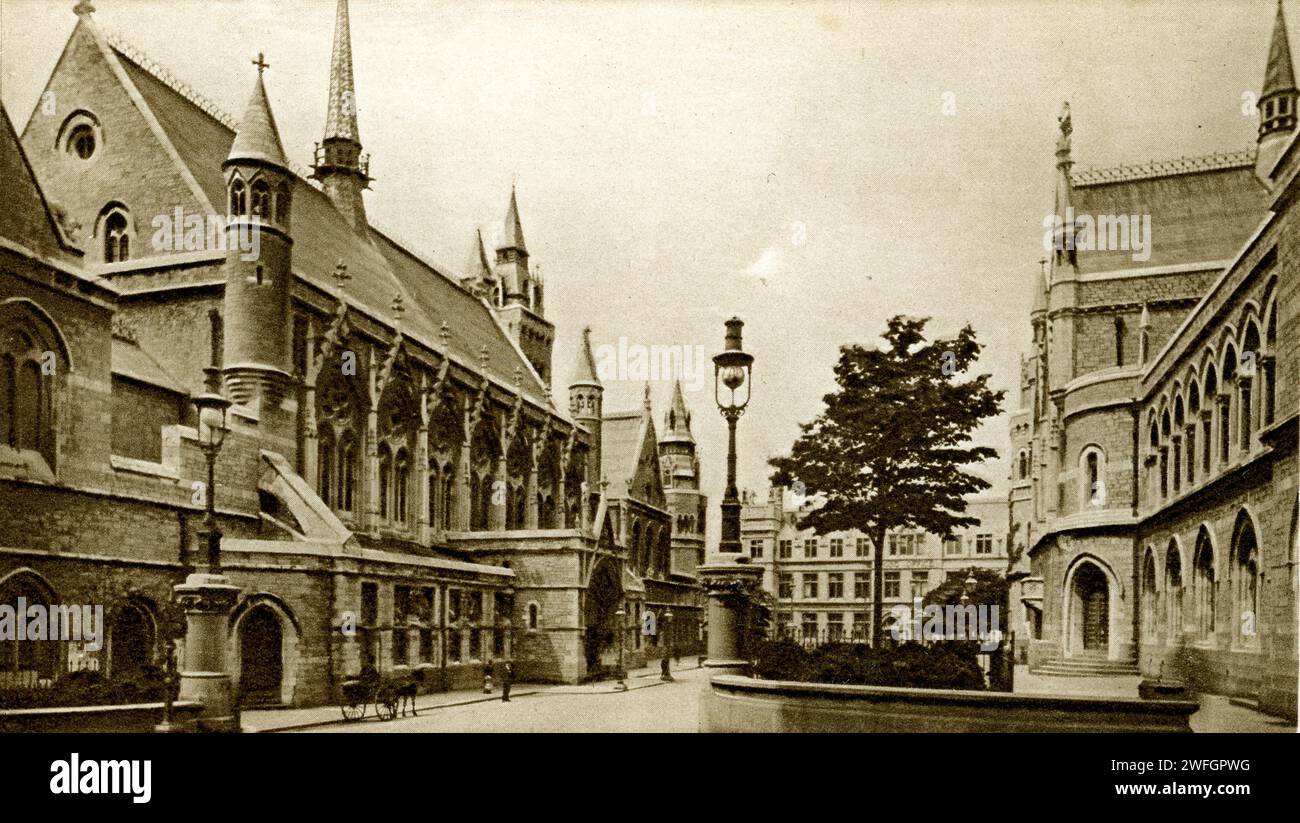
point(909, 665)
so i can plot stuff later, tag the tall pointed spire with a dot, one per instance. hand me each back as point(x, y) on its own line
point(584, 371)
point(677, 421)
point(512, 231)
point(1278, 74)
point(257, 138)
point(1277, 100)
point(341, 119)
point(343, 171)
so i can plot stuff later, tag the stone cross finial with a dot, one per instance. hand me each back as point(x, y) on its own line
point(261, 63)
point(340, 274)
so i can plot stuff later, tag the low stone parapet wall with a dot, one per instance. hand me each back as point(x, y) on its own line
point(742, 704)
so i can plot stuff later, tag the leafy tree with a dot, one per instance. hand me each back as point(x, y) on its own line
point(888, 450)
point(990, 589)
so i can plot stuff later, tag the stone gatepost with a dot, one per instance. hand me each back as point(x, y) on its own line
point(205, 677)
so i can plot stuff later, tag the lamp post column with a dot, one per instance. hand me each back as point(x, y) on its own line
point(208, 597)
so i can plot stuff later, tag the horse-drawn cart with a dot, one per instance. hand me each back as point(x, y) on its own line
point(387, 691)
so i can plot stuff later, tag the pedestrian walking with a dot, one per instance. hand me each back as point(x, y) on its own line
point(507, 679)
point(487, 677)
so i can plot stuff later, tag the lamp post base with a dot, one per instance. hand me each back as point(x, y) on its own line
point(728, 586)
point(208, 600)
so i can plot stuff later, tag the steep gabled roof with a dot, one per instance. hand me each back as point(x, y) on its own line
point(26, 218)
point(627, 442)
point(380, 267)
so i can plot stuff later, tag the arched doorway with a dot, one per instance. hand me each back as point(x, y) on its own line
point(261, 666)
point(1090, 611)
point(25, 663)
point(132, 640)
point(604, 597)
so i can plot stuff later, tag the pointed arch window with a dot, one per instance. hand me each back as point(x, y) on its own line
point(448, 499)
point(401, 486)
point(1149, 597)
point(347, 473)
point(326, 469)
point(385, 479)
point(1245, 554)
point(32, 358)
point(24, 662)
point(1173, 593)
point(260, 199)
point(238, 198)
point(117, 237)
point(282, 203)
point(1203, 586)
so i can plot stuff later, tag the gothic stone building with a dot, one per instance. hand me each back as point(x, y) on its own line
point(398, 487)
point(1154, 485)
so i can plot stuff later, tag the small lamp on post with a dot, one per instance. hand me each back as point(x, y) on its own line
point(969, 583)
point(664, 672)
point(212, 407)
point(621, 617)
point(732, 369)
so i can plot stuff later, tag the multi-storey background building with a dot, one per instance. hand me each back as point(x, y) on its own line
point(822, 583)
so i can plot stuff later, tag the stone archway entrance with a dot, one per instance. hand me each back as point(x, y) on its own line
point(604, 596)
point(1090, 611)
point(261, 665)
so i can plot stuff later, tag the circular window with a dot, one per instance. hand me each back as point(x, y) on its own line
point(81, 141)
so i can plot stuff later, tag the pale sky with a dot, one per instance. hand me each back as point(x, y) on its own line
point(681, 162)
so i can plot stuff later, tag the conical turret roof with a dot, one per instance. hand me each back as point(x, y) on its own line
point(257, 138)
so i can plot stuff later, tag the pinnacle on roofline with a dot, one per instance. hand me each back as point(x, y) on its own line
point(341, 117)
point(1279, 75)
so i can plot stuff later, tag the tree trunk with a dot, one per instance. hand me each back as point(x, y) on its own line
point(877, 584)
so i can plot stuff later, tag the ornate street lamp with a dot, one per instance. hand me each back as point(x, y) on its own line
point(212, 408)
point(733, 369)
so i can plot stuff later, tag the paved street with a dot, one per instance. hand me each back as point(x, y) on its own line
point(649, 706)
point(653, 706)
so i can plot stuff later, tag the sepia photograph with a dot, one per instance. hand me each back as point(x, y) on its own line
point(851, 366)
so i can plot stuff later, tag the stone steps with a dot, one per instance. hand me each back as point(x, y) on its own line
point(1087, 666)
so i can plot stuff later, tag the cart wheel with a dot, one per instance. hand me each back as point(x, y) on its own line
point(353, 711)
point(386, 708)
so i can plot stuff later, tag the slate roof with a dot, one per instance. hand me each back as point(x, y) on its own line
point(129, 360)
point(258, 139)
point(26, 217)
point(380, 267)
point(621, 437)
point(1199, 216)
